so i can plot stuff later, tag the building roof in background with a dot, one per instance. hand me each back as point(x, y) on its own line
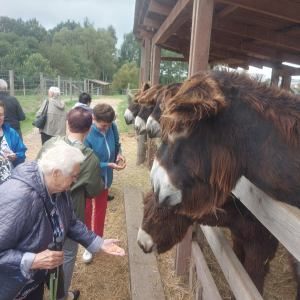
point(99, 82)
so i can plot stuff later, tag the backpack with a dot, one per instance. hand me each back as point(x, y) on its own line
point(5, 171)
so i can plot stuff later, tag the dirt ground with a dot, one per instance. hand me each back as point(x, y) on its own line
point(107, 277)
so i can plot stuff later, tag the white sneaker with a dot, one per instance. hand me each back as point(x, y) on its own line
point(87, 256)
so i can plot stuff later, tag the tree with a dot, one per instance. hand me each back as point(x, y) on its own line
point(128, 73)
point(130, 50)
point(112, 32)
point(87, 23)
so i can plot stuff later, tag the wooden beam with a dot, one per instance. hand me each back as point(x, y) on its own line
point(281, 219)
point(146, 60)
point(284, 9)
point(274, 78)
point(257, 33)
point(226, 10)
point(286, 83)
point(288, 72)
point(173, 59)
point(184, 52)
point(238, 279)
point(210, 290)
point(160, 8)
point(178, 16)
point(226, 61)
point(200, 38)
point(155, 68)
point(255, 50)
point(290, 29)
point(149, 22)
point(228, 54)
point(146, 33)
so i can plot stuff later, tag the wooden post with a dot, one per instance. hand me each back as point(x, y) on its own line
point(92, 89)
point(142, 65)
point(58, 82)
point(200, 38)
point(11, 83)
point(155, 64)
point(84, 85)
point(183, 253)
point(274, 78)
point(42, 86)
point(146, 60)
point(141, 148)
point(71, 88)
point(286, 83)
point(78, 85)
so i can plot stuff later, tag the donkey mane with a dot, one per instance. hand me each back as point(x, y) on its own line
point(149, 98)
point(278, 106)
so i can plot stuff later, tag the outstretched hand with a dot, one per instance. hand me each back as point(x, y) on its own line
point(110, 247)
point(117, 167)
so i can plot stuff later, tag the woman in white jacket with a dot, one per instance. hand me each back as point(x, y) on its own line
point(56, 116)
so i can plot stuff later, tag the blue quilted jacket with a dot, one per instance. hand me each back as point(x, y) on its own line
point(25, 227)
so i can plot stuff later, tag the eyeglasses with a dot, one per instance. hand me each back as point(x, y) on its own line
point(74, 177)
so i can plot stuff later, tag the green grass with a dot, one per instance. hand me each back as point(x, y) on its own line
point(122, 126)
point(26, 126)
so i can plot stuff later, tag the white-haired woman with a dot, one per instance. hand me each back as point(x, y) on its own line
point(35, 209)
point(56, 116)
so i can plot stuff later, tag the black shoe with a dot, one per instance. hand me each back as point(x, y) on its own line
point(76, 294)
point(109, 198)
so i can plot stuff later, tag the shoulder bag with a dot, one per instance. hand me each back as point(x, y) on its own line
point(41, 121)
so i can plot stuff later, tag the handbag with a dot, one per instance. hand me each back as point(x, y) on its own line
point(41, 121)
point(117, 147)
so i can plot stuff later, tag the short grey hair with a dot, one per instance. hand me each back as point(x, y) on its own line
point(55, 91)
point(60, 156)
point(3, 85)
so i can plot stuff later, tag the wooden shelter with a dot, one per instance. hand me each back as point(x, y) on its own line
point(240, 33)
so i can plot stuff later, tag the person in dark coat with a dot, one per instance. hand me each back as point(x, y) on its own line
point(35, 209)
point(14, 112)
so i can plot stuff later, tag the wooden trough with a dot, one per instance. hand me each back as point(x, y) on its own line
point(145, 281)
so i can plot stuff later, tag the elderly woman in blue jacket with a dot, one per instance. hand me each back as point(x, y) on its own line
point(35, 209)
point(11, 145)
point(102, 139)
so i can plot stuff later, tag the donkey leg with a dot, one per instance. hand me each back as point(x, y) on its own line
point(295, 265)
point(258, 254)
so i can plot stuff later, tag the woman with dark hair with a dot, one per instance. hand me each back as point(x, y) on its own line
point(103, 141)
point(88, 184)
point(85, 101)
point(11, 145)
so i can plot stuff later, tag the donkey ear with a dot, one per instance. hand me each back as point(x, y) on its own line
point(197, 98)
point(145, 87)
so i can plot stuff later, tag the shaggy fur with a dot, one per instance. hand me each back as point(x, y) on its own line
point(222, 125)
point(253, 244)
point(149, 98)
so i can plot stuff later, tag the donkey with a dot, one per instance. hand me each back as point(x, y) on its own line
point(219, 126)
point(147, 102)
point(153, 122)
point(134, 108)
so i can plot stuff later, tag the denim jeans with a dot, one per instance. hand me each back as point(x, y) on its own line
point(70, 249)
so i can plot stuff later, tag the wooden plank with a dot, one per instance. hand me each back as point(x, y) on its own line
point(209, 288)
point(160, 8)
point(226, 10)
point(201, 32)
point(281, 219)
point(178, 16)
point(145, 281)
point(155, 65)
point(183, 254)
point(241, 284)
point(172, 58)
point(283, 9)
point(258, 33)
point(286, 83)
point(146, 60)
point(149, 22)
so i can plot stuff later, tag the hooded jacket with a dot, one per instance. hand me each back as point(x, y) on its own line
point(89, 183)
point(56, 122)
point(26, 230)
point(15, 144)
point(104, 145)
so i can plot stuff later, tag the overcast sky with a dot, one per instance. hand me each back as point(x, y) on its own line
point(119, 13)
